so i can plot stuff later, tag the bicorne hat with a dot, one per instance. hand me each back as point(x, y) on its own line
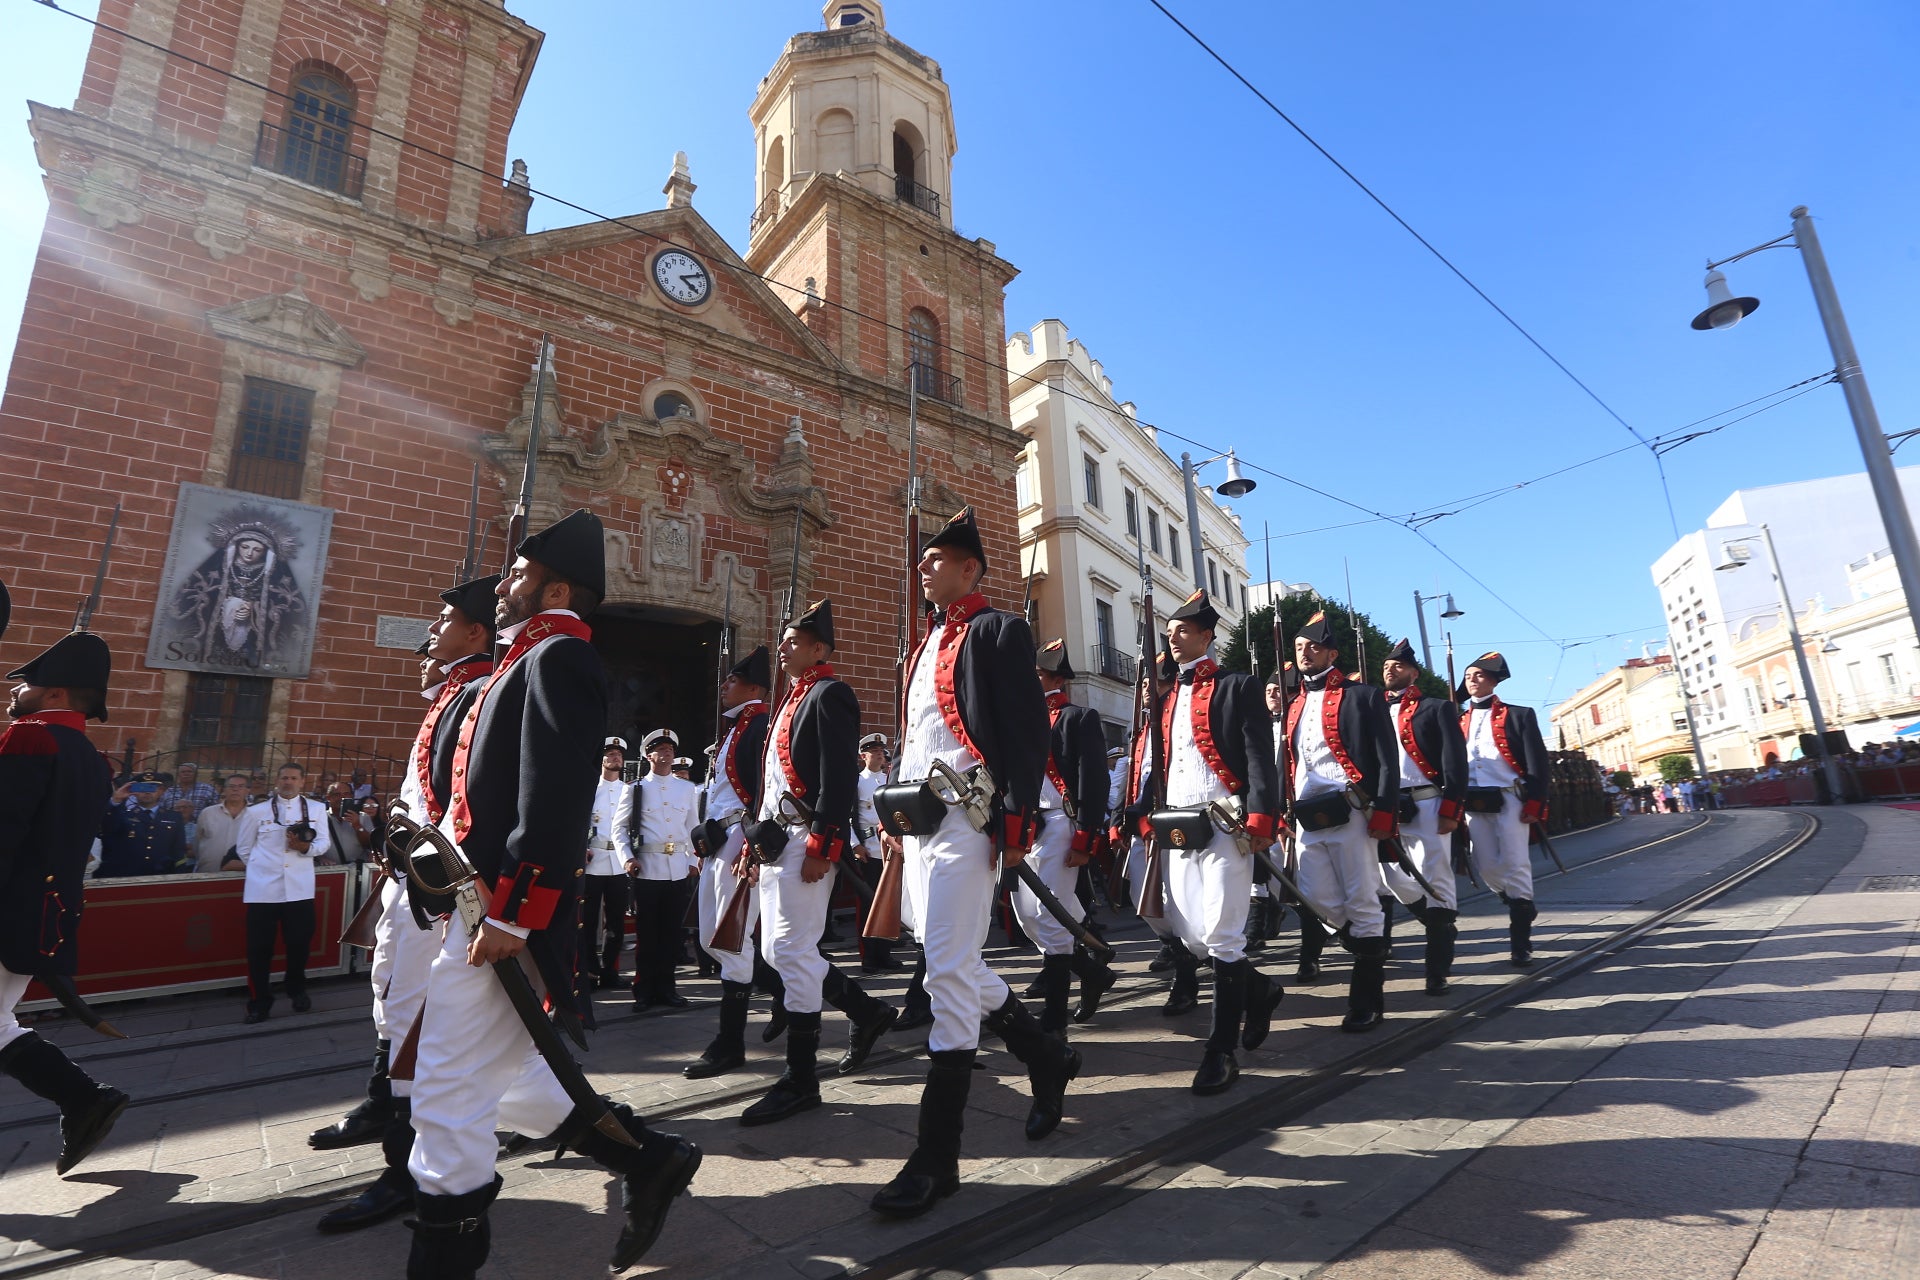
point(1052, 659)
point(575, 548)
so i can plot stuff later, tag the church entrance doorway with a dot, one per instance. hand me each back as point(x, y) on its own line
point(660, 675)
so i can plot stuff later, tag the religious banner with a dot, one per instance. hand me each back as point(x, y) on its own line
point(241, 588)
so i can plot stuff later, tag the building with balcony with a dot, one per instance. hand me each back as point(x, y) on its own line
point(1096, 496)
point(1627, 718)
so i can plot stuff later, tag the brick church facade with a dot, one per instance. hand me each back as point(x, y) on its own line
point(303, 277)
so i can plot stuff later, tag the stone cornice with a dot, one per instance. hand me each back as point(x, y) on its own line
point(811, 201)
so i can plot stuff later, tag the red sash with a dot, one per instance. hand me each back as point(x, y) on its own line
point(1200, 719)
point(458, 678)
point(946, 653)
point(730, 764)
point(1498, 710)
point(1409, 699)
point(783, 723)
point(1329, 720)
point(540, 627)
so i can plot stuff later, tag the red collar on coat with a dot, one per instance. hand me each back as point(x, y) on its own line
point(1498, 710)
point(1409, 699)
point(730, 762)
point(783, 723)
point(947, 639)
point(59, 715)
point(1057, 701)
point(542, 626)
point(459, 676)
point(1200, 718)
point(1335, 691)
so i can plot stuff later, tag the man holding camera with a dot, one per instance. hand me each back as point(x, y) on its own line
point(277, 840)
point(141, 836)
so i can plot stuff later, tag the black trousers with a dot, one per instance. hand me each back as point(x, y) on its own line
point(604, 898)
point(658, 908)
point(292, 921)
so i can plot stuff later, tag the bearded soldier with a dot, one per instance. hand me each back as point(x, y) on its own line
point(1219, 745)
point(458, 656)
point(1507, 776)
point(1346, 792)
point(973, 705)
point(57, 784)
point(1433, 785)
point(520, 811)
point(803, 823)
point(734, 784)
point(1073, 812)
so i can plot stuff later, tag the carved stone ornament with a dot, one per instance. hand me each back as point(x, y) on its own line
point(288, 323)
point(107, 197)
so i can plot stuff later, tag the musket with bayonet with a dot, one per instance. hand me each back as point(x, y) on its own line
point(61, 984)
point(1153, 878)
point(517, 522)
point(883, 917)
point(441, 870)
point(470, 562)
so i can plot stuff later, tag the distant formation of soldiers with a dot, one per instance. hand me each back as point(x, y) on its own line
point(516, 843)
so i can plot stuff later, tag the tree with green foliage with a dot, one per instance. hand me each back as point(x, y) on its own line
point(1622, 779)
point(1294, 612)
point(1676, 767)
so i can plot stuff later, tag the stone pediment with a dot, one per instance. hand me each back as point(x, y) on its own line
point(288, 323)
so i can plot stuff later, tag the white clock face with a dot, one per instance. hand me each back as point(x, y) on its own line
point(682, 278)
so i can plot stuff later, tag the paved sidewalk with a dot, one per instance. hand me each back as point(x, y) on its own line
point(1737, 1096)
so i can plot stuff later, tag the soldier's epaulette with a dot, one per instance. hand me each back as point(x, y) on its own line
point(28, 739)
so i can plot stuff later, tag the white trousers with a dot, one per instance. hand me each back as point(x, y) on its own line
point(403, 955)
point(1168, 926)
point(1209, 890)
point(793, 914)
point(1340, 877)
point(712, 893)
point(477, 1072)
point(13, 989)
point(1048, 858)
point(950, 876)
point(1432, 853)
point(1500, 850)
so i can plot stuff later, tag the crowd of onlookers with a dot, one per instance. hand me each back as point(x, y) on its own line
point(182, 822)
point(1692, 795)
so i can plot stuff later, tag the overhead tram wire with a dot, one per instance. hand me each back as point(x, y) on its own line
point(1412, 522)
point(1428, 245)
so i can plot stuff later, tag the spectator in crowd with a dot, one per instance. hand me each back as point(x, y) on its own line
point(139, 837)
point(279, 839)
point(188, 788)
point(361, 787)
point(346, 825)
point(213, 840)
point(258, 788)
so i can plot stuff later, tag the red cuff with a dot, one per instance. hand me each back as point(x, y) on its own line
point(1533, 811)
point(522, 901)
point(1263, 826)
point(1145, 828)
point(1082, 842)
point(1018, 832)
point(1115, 837)
point(1380, 822)
point(824, 846)
point(1452, 809)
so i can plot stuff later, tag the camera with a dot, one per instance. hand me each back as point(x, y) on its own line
point(301, 831)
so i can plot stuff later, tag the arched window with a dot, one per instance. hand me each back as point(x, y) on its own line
point(905, 166)
point(909, 178)
point(671, 404)
point(318, 129)
point(835, 149)
point(923, 350)
point(776, 170)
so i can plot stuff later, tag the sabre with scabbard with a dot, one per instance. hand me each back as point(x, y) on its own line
point(61, 984)
point(441, 870)
point(1230, 819)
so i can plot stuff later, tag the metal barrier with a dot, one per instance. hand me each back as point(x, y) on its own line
point(1758, 793)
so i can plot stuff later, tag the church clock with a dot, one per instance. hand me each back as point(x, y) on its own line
point(681, 277)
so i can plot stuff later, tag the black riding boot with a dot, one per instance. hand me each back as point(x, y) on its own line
point(1387, 903)
point(1056, 990)
point(798, 1088)
point(1184, 995)
point(1051, 1065)
point(1520, 917)
point(871, 1018)
point(1313, 942)
point(451, 1235)
point(1441, 933)
point(652, 1175)
point(366, 1122)
point(1366, 993)
point(767, 978)
point(392, 1191)
point(933, 1170)
point(728, 1050)
point(87, 1107)
point(916, 1009)
point(1420, 910)
point(1264, 994)
point(1218, 1070)
point(1096, 979)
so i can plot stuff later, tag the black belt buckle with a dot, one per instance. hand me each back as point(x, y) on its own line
point(1184, 829)
point(909, 809)
point(1323, 814)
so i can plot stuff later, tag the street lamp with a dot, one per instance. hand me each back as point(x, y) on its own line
point(1723, 311)
point(1738, 558)
point(1449, 613)
point(1234, 486)
point(1686, 703)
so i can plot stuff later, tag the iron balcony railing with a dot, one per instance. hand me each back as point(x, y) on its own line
point(311, 160)
point(765, 211)
point(1112, 663)
point(932, 384)
point(925, 199)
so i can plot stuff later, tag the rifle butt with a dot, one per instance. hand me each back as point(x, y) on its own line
point(883, 917)
point(730, 933)
point(360, 930)
point(1153, 889)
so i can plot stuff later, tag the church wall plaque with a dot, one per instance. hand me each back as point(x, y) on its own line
point(241, 584)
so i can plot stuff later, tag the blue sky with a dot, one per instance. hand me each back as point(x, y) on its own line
point(1580, 163)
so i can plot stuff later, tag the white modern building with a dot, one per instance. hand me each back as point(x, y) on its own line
point(1819, 528)
point(1096, 494)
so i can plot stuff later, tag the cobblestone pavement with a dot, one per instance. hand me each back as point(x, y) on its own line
point(219, 1139)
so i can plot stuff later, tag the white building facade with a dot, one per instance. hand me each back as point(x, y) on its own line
point(1095, 493)
point(1820, 528)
